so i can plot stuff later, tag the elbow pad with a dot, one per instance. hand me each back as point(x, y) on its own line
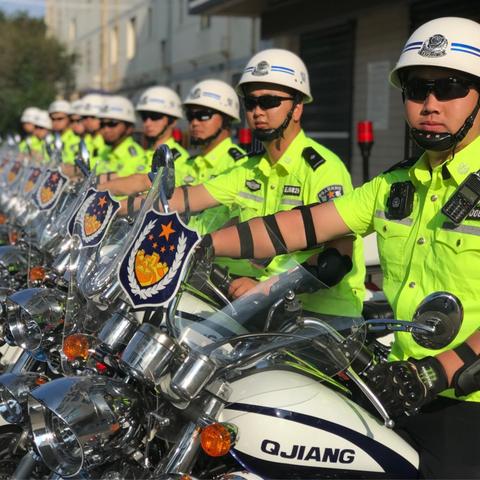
point(331, 267)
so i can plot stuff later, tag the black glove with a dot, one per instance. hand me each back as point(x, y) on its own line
point(404, 387)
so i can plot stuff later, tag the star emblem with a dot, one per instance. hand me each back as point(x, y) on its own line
point(102, 201)
point(167, 230)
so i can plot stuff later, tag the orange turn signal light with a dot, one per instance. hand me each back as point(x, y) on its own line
point(76, 346)
point(3, 219)
point(13, 237)
point(218, 438)
point(36, 274)
point(41, 380)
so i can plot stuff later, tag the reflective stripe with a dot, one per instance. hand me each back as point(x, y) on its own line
point(250, 196)
point(403, 221)
point(461, 228)
point(290, 201)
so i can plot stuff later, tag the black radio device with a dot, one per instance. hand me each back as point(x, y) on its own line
point(463, 200)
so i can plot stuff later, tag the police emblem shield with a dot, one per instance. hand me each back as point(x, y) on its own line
point(150, 272)
point(49, 191)
point(92, 219)
point(12, 174)
point(32, 180)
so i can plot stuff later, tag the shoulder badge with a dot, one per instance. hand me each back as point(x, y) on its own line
point(175, 153)
point(312, 157)
point(132, 151)
point(253, 185)
point(401, 165)
point(235, 153)
point(329, 193)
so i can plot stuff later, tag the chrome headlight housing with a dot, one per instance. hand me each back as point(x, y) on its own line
point(13, 395)
point(81, 422)
point(32, 314)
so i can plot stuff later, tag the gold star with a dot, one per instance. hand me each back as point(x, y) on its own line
point(155, 245)
point(167, 230)
point(162, 250)
point(172, 248)
point(150, 237)
point(102, 202)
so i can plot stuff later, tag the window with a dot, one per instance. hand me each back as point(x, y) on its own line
point(88, 56)
point(131, 38)
point(204, 22)
point(150, 22)
point(72, 30)
point(114, 46)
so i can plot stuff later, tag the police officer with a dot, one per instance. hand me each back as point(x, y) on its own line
point(124, 156)
point(59, 112)
point(211, 107)
point(90, 111)
point(160, 108)
point(29, 143)
point(76, 119)
point(43, 126)
point(426, 221)
point(293, 171)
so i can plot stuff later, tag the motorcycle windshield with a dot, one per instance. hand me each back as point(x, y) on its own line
point(265, 324)
point(103, 276)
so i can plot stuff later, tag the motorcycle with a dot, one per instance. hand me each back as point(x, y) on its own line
point(206, 388)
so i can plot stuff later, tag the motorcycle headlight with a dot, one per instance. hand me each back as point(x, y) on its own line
point(32, 313)
point(13, 395)
point(80, 422)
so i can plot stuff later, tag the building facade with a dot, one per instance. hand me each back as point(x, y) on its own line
point(349, 48)
point(124, 46)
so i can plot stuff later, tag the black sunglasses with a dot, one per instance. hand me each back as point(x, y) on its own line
point(265, 102)
point(418, 89)
point(151, 115)
point(109, 123)
point(200, 115)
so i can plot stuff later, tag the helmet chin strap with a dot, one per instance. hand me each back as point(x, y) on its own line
point(439, 142)
point(270, 134)
point(206, 141)
point(152, 140)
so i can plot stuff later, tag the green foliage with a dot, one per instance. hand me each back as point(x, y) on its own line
point(34, 67)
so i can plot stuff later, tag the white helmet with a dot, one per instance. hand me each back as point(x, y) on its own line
point(280, 67)
point(76, 107)
point(42, 119)
point(28, 114)
point(118, 108)
point(61, 106)
point(448, 42)
point(92, 105)
point(162, 100)
point(217, 95)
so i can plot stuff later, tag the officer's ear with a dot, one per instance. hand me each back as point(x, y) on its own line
point(297, 112)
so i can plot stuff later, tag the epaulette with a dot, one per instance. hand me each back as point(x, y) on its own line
point(312, 157)
point(403, 164)
point(235, 153)
point(175, 153)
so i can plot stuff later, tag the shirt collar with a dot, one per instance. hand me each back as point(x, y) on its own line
point(288, 160)
point(219, 152)
point(462, 164)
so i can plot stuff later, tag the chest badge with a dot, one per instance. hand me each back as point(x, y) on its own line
point(291, 190)
point(253, 185)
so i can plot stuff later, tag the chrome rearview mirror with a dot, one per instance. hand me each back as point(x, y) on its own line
point(443, 312)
